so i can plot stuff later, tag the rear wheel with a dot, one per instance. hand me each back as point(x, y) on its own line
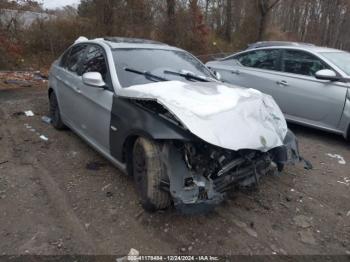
point(55, 113)
point(148, 172)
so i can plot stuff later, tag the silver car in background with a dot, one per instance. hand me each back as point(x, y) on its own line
point(309, 83)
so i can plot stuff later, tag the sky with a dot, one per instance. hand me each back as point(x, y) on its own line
point(58, 3)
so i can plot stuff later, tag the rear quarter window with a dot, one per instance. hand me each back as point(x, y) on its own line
point(76, 56)
point(268, 59)
point(64, 58)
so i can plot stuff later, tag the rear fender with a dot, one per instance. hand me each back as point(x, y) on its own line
point(344, 125)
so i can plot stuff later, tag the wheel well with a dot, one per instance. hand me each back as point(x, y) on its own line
point(127, 152)
point(348, 133)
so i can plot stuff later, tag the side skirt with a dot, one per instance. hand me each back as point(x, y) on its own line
point(107, 155)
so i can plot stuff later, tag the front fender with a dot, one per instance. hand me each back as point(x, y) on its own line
point(289, 152)
point(130, 120)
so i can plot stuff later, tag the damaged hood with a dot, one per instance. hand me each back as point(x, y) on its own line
point(227, 116)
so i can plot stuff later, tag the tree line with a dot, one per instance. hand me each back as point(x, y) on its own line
point(200, 26)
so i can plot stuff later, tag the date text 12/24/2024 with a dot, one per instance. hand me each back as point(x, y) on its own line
point(173, 258)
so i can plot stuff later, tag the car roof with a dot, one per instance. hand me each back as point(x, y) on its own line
point(126, 42)
point(276, 43)
point(294, 45)
point(117, 39)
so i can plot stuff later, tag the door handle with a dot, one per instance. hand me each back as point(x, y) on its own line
point(236, 72)
point(282, 83)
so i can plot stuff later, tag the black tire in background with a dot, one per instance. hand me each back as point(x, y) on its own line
point(148, 173)
point(55, 113)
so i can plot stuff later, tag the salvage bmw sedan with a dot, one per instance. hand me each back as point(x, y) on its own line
point(159, 114)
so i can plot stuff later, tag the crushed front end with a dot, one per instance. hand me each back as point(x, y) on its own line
point(200, 174)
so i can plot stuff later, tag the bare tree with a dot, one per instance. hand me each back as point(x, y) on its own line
point(264, 7)
point(171, 20)
point(228, 22)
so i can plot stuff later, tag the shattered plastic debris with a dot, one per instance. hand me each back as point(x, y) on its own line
point(245, 227)
point(72, 154)
point(106, 186)
point(46, 119)
point(22, 78)
point(346, 181)
point(132, 256)
point(341, 159)
point(133, 252)
point(44, 138)
point(29, 113)
point(18, 82)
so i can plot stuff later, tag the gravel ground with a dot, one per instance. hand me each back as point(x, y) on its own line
point(61, 197)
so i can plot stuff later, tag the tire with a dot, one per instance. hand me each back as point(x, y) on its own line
point(55, 113)
point(148, 172)
point(280, 167)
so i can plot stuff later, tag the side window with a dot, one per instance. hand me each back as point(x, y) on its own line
point(264, 59)
point(302, 63)
point(76, 55)
point(95, 62)
point(64, 58)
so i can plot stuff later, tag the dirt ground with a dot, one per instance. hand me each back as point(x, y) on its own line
point(61, 197)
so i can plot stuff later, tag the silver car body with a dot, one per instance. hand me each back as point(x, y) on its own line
point(241, 126)
point(303, 99)
point(248, 116)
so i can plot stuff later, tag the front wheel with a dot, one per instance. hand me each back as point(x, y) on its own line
point(148, 172)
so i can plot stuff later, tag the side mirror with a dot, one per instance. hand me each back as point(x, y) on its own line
point(93, 79)
point(218, 75)
point(326, 74)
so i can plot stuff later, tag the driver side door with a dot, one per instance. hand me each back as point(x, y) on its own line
point(303, 97)
point(95, 103)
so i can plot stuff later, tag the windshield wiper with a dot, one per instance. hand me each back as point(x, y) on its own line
point(145, 73)
point(188, 75)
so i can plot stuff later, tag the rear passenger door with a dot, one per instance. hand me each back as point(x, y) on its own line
point(69, 81)
point(95, 104)
point(304, 98)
